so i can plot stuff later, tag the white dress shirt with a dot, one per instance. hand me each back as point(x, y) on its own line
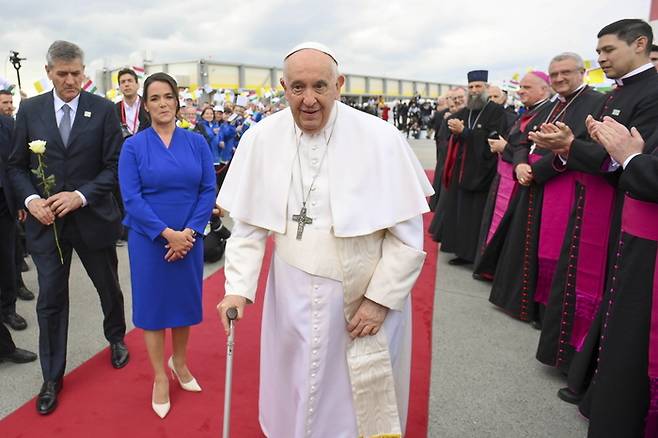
point(132, 115)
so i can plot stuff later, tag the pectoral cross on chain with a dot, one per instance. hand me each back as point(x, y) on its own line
point(302, 220)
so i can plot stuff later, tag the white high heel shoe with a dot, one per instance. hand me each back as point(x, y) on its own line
point(191, 386)
point(162, 409)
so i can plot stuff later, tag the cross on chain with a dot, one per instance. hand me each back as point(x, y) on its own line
point(302, 220)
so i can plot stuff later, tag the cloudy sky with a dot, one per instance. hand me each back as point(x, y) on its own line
point(409, 39)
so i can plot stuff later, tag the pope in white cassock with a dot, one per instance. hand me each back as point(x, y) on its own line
point(342, 193)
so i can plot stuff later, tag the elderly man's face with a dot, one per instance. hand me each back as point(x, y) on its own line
point(311, 86)
point(496, 95)
point(67, 77)
point(456, 100)
point(532, 90)
point(6, 105)
point(565, 76)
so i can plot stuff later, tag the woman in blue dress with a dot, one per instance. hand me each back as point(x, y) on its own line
point(167, 183)
point(210, 129)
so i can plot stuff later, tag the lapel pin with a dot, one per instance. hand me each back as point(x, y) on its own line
point(87, 114)
point(616, 112)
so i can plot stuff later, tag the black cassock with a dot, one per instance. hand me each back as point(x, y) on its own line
point(469, 169)
point(517, 135)
point(441, 134)
point(633, 104)
point(626, 381)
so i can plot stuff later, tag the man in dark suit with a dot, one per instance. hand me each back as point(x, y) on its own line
point(8, 350)
point(83, 140)
point(8, 228)
point(7, 109)
point(133, 117)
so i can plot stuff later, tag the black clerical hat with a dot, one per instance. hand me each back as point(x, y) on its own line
point(478, 75)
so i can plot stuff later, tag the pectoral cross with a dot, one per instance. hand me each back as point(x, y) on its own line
point(302, 220)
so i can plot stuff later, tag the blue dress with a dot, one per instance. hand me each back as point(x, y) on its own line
point(229, 137)
point(165, 187)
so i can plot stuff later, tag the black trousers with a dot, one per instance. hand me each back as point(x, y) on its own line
point(8, 285)
point(53, 301)
point(6, 344)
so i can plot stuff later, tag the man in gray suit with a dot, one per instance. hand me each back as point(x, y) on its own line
point(83, 141)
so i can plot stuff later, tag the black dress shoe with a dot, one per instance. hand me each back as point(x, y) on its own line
point(24, 293)
point(14, 320)
point(47, 398)
point(567, 395)
point(24, 266)
point(458, 261)
point(120, 355)
point(18, 356)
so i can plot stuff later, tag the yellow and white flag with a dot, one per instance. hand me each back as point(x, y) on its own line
point(43, 85)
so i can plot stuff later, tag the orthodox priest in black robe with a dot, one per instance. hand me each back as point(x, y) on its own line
point(622, 400)
point(633, 103)
point(469, 169)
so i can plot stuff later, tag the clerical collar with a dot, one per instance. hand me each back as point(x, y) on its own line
point(325, 132)
point(564, 99)
point(537, 105)
point(635, 72)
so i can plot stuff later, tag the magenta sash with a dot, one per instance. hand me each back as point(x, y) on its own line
point(558, 200)
point(506, 185)
point(592, 253)
point(640, 219)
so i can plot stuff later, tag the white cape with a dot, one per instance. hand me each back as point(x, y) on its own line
point(375, 179)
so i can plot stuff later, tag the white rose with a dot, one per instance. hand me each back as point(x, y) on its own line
point(37, 146)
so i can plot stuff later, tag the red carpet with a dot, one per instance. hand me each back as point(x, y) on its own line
point(99, 402)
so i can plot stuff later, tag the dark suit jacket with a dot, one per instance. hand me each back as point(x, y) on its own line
point(143, 117)
point(6, 130)
point(88, 164)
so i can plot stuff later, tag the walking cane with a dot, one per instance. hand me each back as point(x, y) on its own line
point(232, 315)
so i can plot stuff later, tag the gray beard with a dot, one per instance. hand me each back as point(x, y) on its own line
point(477, 102)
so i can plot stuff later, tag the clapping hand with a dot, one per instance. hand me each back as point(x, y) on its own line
point(367, 320)
point(456, 126)
point(618, 140)
point(497, 145)
point(554, 137)
point(179, 243)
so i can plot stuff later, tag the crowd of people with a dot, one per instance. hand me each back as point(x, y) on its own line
point(557, 207)
point(555, 204)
